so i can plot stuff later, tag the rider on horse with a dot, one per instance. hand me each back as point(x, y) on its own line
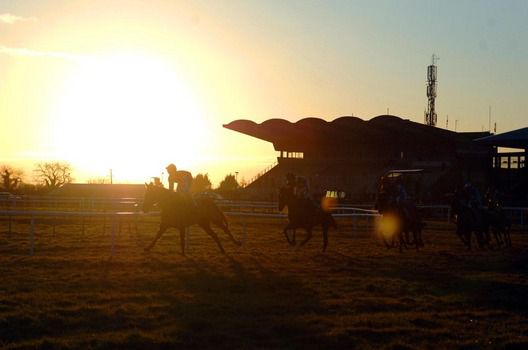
point(395, 192)
point(182, 177)
point(473, 199)
point(184, 180)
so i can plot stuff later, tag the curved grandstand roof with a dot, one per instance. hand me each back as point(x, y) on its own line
point(314, 132)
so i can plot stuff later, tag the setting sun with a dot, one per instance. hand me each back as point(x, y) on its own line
point(113, 110)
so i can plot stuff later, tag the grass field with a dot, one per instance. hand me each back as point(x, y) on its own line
point(72, 294)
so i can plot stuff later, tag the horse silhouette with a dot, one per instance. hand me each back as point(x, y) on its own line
point(469, 221)
point(500, 224)
point(407, 220)
point(302, 213)
point(180, 210)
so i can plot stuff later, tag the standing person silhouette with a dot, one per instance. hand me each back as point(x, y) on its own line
point(182, 177)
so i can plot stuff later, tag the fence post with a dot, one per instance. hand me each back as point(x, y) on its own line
point(113, 233)
point(522, 218)
point(187, 236)
point(32, 237)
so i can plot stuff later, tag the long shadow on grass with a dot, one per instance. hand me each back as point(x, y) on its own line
point(178, 304)
point(475, 280)
point(246, 309)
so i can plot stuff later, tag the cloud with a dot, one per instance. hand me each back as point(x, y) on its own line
point(24, 52)
point(9, 18)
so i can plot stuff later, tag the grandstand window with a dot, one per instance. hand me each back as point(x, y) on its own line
point(286, 154)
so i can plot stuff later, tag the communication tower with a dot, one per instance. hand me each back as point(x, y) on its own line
point(430, 114)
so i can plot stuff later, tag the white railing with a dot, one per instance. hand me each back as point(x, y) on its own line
point(519, 215)
point(231, 208)
point(261, 173)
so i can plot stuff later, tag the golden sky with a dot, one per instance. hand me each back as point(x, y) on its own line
point(134, 85)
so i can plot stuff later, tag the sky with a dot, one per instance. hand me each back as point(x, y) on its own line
point(135, 85)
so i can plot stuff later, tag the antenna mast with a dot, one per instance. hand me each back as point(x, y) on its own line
point(430, 114)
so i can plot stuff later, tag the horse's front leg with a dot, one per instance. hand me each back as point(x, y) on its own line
point(416, 239)
point(161, 230)
point(507, 236)
point(401, 237)
point(183, 237)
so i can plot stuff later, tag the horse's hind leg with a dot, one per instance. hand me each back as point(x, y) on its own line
point(498, 237)
point(325, 238)
point(285, 232)
point(308, 237)
point(213, 234)
point(408, 237)
point(161, 230)
point(401, 238)
point(225, 228)
point(507, 236)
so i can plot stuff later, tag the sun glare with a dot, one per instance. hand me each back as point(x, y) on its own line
point(129, 112)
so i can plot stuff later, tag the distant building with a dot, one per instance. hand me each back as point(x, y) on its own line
point(349, 155)
point(509, 171)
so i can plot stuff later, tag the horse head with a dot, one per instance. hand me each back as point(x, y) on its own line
point(458, 202)
point(152, 196)
point(384, 202)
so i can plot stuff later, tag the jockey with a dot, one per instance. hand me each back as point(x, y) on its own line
point(492, 199)
point(472, 196)
point(401, 193)
point(182, 177)
point(290, 181)
point(473, 200)
point(388, 187)
point(157, 182)
point(302, 188)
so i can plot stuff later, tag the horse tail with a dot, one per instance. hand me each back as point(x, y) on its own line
point(211, 211)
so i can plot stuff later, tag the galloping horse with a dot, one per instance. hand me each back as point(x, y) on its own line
point(499, 223)
point(406, 220)
point(180, 211)
point(469, 220)
point(303, 214)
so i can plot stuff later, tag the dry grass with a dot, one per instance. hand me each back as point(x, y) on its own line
point(73, 294)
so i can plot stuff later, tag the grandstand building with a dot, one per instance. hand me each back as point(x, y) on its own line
point(349, 155)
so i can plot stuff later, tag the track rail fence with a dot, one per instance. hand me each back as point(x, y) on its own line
point(129, 208)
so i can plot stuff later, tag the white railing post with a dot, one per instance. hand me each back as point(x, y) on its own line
point(32, 237)
point(113, 234)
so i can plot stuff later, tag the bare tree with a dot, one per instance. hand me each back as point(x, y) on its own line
point(11, 178)
point(53, 174)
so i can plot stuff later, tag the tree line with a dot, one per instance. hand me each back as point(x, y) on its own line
point(48, 176)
